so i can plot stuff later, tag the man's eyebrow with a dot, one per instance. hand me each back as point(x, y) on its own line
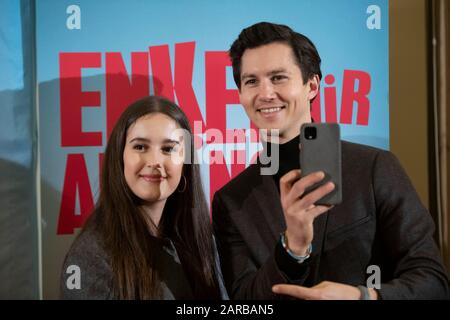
point(247, 75)
point(277, 71)
point(270, 73)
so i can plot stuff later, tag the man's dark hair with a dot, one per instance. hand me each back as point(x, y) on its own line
point(263, 33)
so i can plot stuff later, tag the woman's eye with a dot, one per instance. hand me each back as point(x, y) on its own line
point(168, 149)
point(139, 147)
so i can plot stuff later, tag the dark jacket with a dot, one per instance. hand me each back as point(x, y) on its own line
point(381, 222)
point(97, 281)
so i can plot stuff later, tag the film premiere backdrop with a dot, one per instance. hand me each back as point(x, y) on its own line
point(95, 57)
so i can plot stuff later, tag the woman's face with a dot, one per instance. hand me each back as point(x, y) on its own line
point(153, 157)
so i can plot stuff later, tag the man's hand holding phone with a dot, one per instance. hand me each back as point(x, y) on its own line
point(299, 208)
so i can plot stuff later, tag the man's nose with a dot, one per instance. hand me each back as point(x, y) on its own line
point(267, 90)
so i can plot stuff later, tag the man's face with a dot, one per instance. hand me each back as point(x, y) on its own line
point(272, 90)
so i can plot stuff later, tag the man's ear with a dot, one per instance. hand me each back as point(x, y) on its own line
point(313, 87)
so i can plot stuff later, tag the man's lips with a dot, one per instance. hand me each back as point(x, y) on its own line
point(269, 110)
point(152, 177)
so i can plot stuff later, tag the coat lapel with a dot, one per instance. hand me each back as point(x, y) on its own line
point(320, 226)
point(267, 200)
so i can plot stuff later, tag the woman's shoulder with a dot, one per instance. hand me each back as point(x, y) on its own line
point(86, 271)
point(87, 246)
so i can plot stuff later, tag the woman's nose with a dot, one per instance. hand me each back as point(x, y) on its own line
point(153, 159)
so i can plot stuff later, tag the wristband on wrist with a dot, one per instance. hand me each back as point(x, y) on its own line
point(364, 293)
point(298, 259)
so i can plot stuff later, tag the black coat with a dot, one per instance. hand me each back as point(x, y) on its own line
point(381, 221)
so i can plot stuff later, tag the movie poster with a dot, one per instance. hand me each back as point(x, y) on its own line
point(96, 57)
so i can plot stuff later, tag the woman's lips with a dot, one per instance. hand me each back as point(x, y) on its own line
point(152, 177)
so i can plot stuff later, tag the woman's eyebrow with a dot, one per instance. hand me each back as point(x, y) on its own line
point(139, 139)
point(145, 140)
point(171, 141)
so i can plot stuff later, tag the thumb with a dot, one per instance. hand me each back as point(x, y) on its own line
point(294, 291)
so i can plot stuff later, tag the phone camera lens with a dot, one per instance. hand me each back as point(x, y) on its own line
point(310, 133)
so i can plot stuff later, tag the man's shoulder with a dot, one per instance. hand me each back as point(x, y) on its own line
point(351, 150)
point(360, 161)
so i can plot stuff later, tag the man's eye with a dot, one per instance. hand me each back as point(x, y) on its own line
point(278, 78)
point(250, 82)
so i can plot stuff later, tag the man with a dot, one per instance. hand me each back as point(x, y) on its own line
point(269, 232)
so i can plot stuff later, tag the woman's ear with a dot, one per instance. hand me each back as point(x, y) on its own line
point(313, 87)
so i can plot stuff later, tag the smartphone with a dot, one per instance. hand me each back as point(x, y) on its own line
point(320, 150)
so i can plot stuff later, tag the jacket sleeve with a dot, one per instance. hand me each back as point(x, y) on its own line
point(95, 273)
point(244, 278)
point(406, 229)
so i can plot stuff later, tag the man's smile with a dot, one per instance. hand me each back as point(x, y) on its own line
point(270, 112)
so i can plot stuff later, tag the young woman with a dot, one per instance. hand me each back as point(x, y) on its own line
point(149, 236)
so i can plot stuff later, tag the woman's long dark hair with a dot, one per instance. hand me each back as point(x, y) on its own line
point(124, 229)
